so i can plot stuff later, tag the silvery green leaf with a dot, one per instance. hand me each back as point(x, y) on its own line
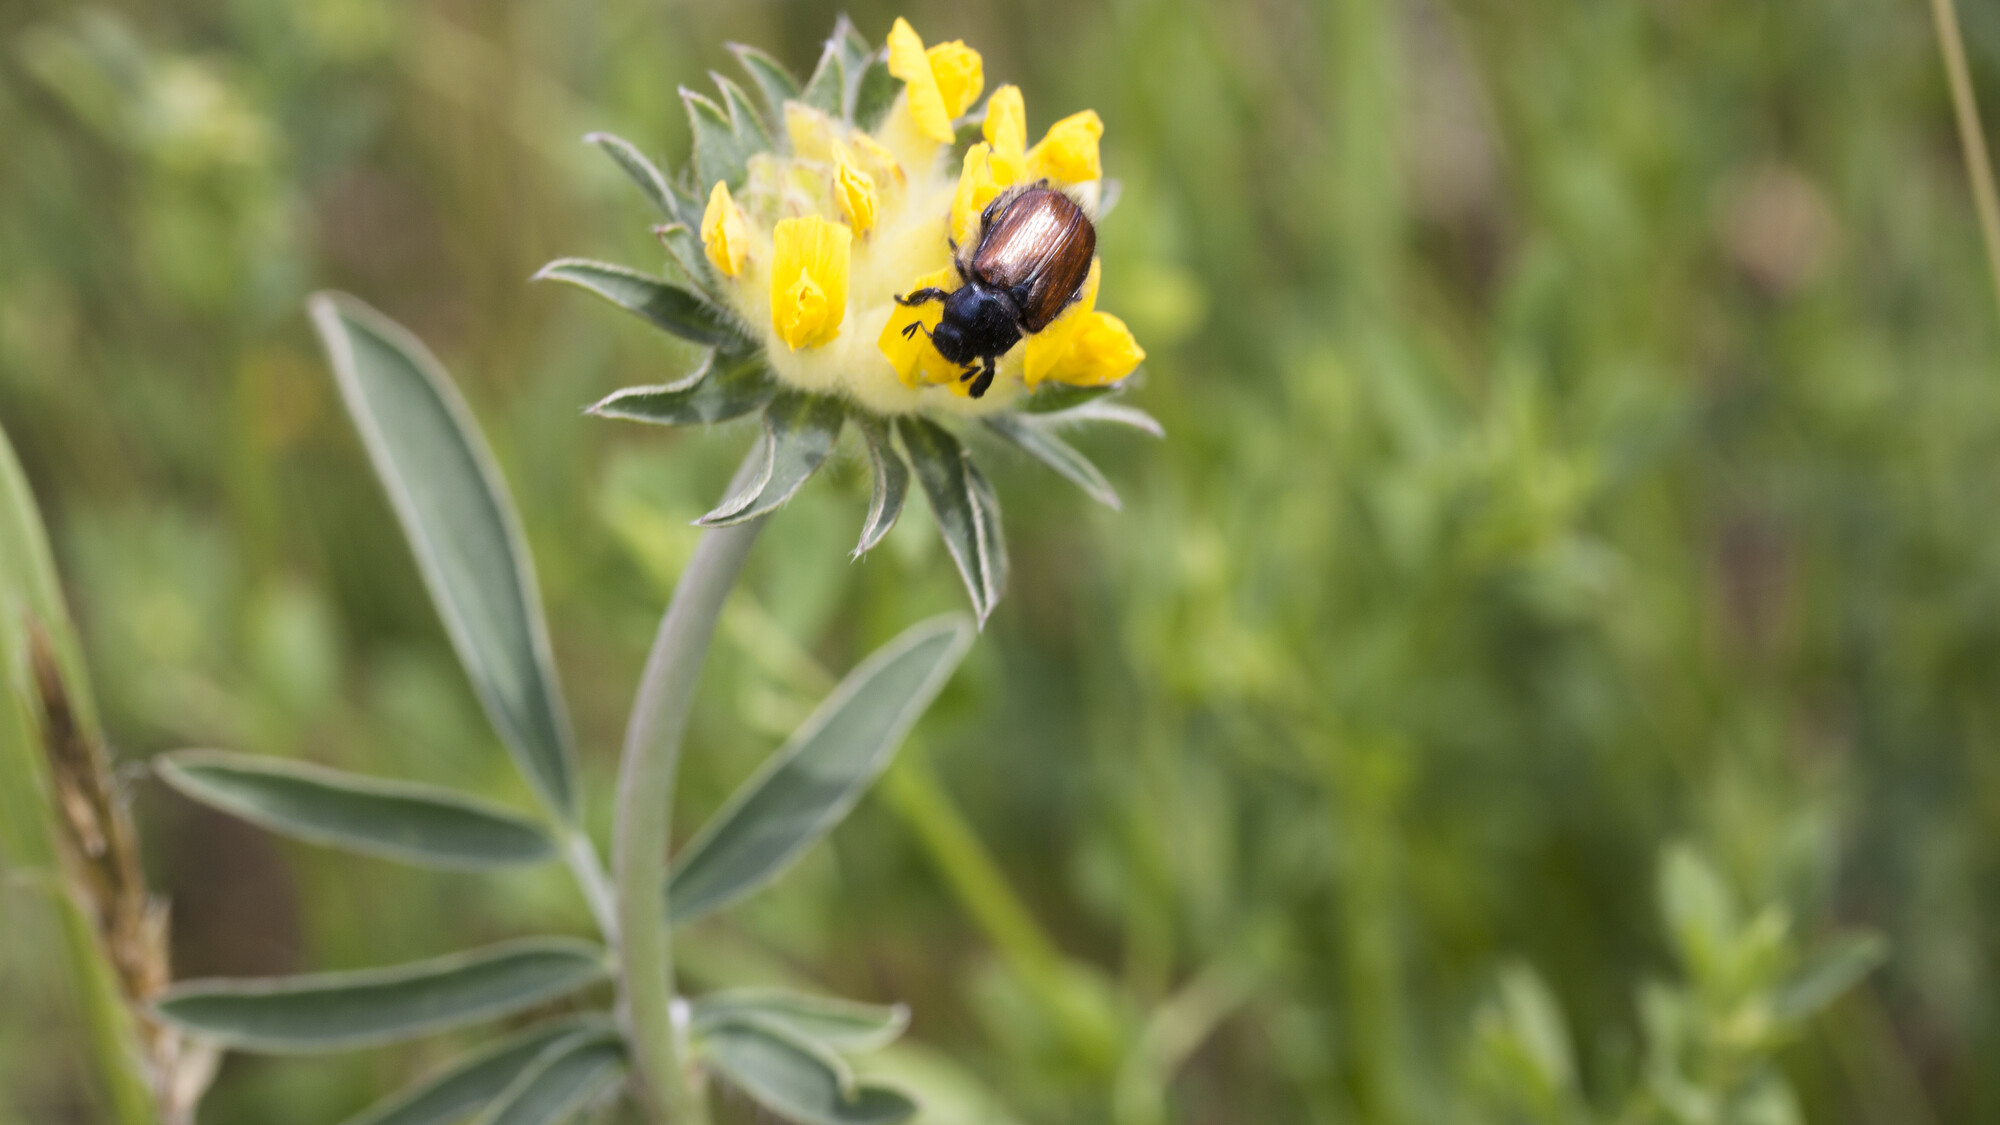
point(892, 482)
point(642, 172)
point(461, 525)
point(1116, 413)
point(773, 81)
point(845, 1025)
point(722, 388)
point(1829, 973)
point(1057, 454)
point(722, 148)
point(743, 116)
point(813, 781)
point(826, 90)
point(874, 91)
point(798, 1083)
point(684, 249)
point(655, 300)
point(471, 1083)
point(800, 431)
point(966, 511)
point(858, 57)
point(1051, 397)
point(418, 824)
point(566, 1076)
point(334, 1011)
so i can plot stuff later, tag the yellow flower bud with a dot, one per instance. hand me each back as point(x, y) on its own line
point(881, 163)
point(977, 186)
point(916, 361)
point(1102, 351)
point(722, 234)
point(855, 189)
point(809, 267)
point(1068, 152)
point(938, 84)
point(1007, 131)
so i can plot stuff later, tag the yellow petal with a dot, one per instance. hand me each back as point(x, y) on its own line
point(1007, 131)
point(921, 97)
point(977, 186)
point(1046, 350)
point(960, 75)
point(1068, 152)
point(880, 162)
point(915, 360)
point(855, 189)
point(809, 265)
point(722, 234)
point(1102, 351)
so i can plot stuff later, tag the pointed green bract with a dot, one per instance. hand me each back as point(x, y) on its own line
point(966, 511)
point(891, 482)
point(798, 1083)
point(726, 387)
point(418, 824)
point(814, 780)
point(655, 300)
point(1051, 397)
point(772, 80)
point(685, 254)
point(559, 1081)
point(744, 119)
point(643, 172)
point(722, 145)
point(1057, 454)
point(335, 1011)
point(472, 1083)
point(461, 525)
point(1114, 413)
point(864, 74)
point(826, 90)
point(846, 1025)
point(800, 431)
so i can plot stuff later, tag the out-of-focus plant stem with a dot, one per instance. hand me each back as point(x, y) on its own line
point(662, 1078)
point(1965, 106)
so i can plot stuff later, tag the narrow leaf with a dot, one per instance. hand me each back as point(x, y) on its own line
point(720, 151)
point(726, 387)
point(1057, 454)
point(333, 1011)
point(773, 81)
point(1828, 974)
point(892, 482)
point(461, 525)
point(743, 116)
point(642, 171)
point(418, 824)
point(1113, 412)
point(813, 781)
point(800, 432)
point(666, 306)
point(685, 252)
point(797, 1083)
point(856, 54)
point(561, 1080)
point(826, 90)
point(967, 514)
point(1051, 397)
point(874, 92)
point(471, 1083)
point(846, 1025)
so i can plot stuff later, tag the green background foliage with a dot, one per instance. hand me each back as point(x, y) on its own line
point(1583, 422)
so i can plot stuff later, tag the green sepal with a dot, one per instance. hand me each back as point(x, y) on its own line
point(772, 80)
point(724, 386)
point(657, 189)
point(1030, 434)
point(723, 146)
point(966, 511)
point(661, 303)
point(743, 114)
point(891, 482)
point(800, 431)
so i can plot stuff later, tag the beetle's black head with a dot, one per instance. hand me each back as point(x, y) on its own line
point(951, 343)
point(978, 321)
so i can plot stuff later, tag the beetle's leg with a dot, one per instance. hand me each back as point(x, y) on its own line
point(914, 327)
point(984, 381)
point(921, 296)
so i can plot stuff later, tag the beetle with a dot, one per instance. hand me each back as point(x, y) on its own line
point(1034, 252)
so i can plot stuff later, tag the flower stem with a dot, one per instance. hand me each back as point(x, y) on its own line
point(661, 1075)
point(1978, 168)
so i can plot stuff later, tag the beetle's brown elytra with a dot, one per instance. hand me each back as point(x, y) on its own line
point(1033, 255)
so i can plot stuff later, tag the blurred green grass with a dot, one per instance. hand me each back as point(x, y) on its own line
point(1583, 422)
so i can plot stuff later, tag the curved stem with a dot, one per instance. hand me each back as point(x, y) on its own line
point(660, 1071)
point(1978, 168)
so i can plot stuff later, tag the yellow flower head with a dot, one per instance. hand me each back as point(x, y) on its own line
point(722, 233)
point(938, 84)
point(810, 260)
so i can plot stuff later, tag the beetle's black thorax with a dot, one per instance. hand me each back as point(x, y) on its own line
point(979, 320)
